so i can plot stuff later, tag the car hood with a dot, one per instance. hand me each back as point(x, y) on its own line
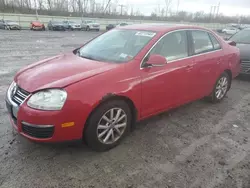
point(58, 24)
point(37, 24)
point(94, 23)
point(12, 23)
point(244, 50)
point(60, 71)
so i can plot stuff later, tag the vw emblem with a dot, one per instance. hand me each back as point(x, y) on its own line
point(14, 91)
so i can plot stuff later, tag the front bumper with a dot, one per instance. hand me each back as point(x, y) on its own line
point(59, 28)
point(94, 27)
point(46, 126)
point(38, 28)
point(76, 27)
point(14, 27)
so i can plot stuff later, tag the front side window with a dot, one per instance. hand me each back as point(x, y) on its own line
point(173, 46)
point(201, 42)
point(116, 45)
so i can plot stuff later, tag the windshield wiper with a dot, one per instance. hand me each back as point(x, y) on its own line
point(87, 57)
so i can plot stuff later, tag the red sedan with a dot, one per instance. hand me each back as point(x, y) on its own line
point(36, 25)
point(98, 91)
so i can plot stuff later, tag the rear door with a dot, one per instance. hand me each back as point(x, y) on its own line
point(208, 54)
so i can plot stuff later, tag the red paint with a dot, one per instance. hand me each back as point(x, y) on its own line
point(152, 90)
point(36, 24)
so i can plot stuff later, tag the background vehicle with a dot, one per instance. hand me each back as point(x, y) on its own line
point(230, 30)
point(140, 73)
point(72, 25)
point(110, 26)
point(56, 26)
point(88, 25)
point(10, 25)
point(121, 24)
point(242, 40)
point(37, 25)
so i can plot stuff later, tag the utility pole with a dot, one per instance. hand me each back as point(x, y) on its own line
point(107, 6)
point(36, 10)
point(122, 6)
point(178, 4)
point(218, 9)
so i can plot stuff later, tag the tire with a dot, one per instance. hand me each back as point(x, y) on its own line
point(92, 129)
point(87, 28)
point(214, 97)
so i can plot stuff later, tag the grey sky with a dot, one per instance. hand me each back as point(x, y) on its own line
point(228, 7)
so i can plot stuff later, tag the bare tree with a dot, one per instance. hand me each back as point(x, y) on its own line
point(50, 4)
point(27, 4)
point(73, 5)
point(40, 4)
point(85, 6)
point(162, 12)
point(168, 5)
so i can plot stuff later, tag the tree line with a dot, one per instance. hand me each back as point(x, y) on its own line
point(111, 9)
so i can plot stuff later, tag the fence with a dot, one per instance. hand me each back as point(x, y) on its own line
point(25, 19)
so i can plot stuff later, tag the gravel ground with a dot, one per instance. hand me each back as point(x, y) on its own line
point(199, 145)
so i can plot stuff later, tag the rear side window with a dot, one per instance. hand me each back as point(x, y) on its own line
point(201, 42)
point(215, 42)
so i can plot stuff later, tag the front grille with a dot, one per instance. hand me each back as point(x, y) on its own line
point(19, 95)
point(245, 66)
point(38, 132)
point(95, 25)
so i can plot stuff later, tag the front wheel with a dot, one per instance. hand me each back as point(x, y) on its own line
point(220, 89)
point(108, 125)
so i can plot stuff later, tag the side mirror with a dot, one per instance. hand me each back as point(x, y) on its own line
point(156, 60)
point(232, 43)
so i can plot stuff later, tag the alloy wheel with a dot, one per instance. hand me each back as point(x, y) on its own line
point(112, 125)
point(221, 88)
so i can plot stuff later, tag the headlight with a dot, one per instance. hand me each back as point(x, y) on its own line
point(50, 99)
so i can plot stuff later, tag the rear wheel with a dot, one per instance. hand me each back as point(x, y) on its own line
point(87, 29)
point(220, 89)
point(108, 125)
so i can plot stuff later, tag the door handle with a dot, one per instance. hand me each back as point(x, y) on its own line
point(191, 66)
point(219, 61)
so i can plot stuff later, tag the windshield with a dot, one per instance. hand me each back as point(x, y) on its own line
point(89, 21)
point(116, 45)
point(56, 22)
point(72, 22)
point(242, 36)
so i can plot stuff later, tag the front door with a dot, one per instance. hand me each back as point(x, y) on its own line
point(167, 86)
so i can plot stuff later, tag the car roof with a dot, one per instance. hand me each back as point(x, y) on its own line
point(161, 27)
